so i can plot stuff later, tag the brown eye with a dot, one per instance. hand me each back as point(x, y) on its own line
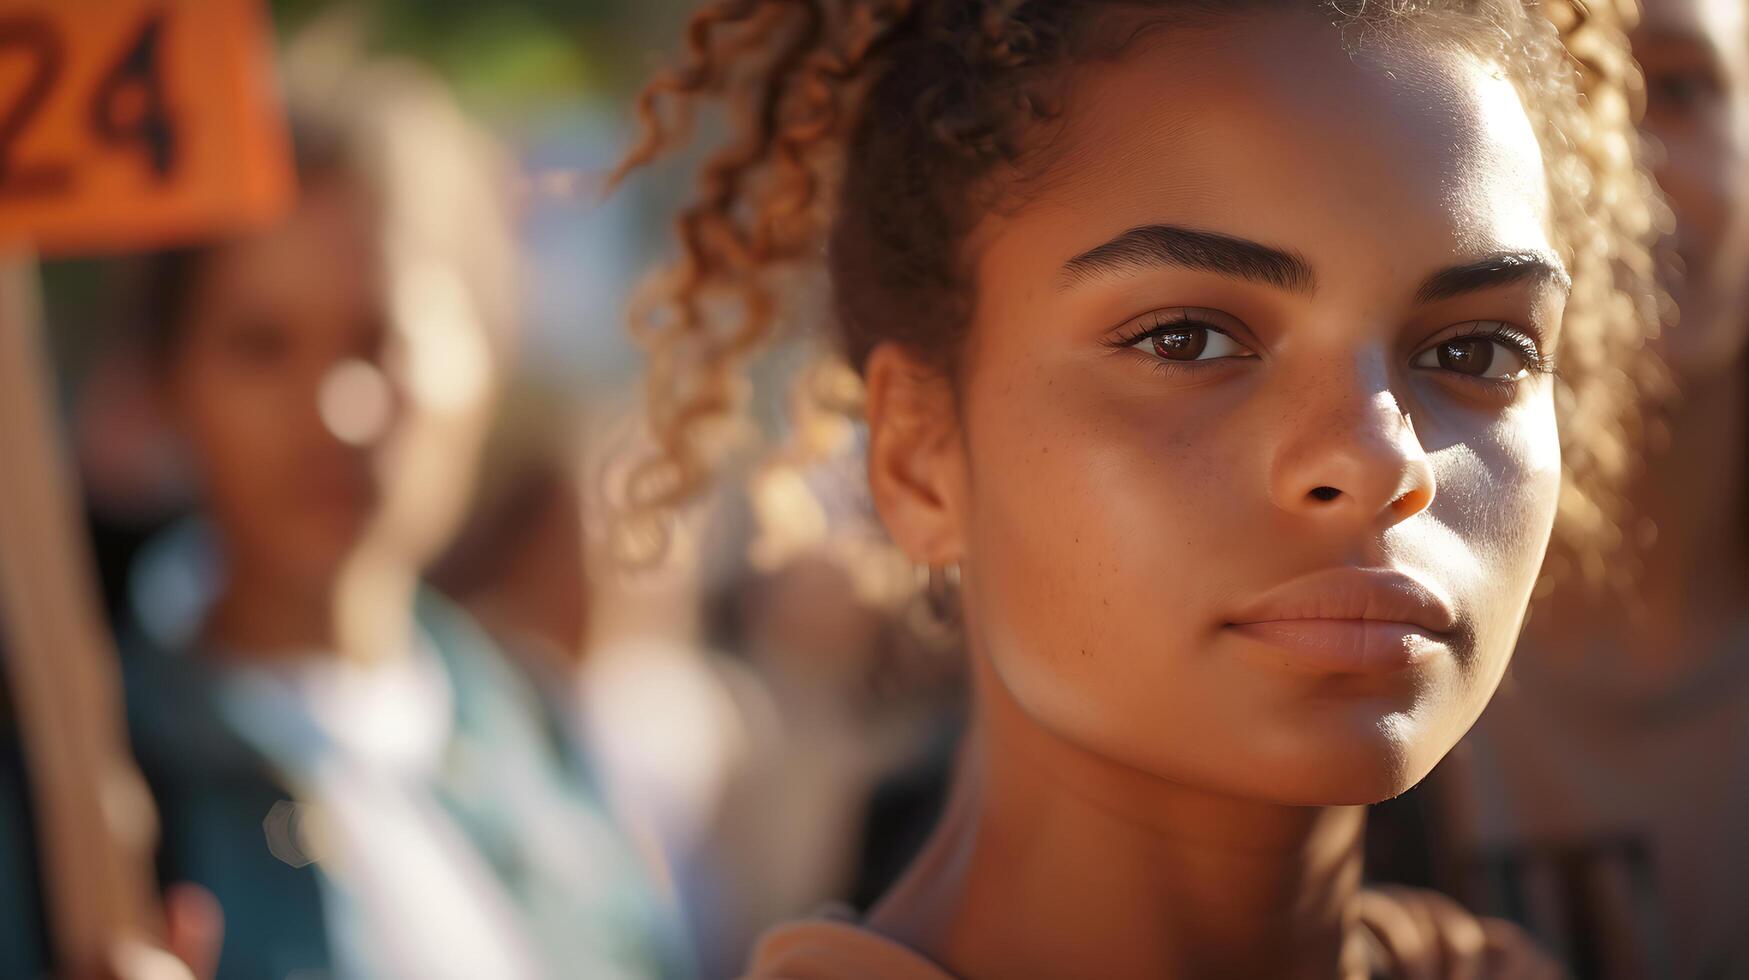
point(1681, 90)
point(1189, 341)
point(1183, 344)
point(1476, 357)
point(1470, 356)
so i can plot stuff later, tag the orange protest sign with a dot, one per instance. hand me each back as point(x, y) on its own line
point(129, 124)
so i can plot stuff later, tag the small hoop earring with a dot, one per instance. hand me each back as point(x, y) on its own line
point(943, 594)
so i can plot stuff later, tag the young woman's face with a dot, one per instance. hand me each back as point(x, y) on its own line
point(1258, 461)
point(317, 406)
point(272, 322)
point(1695, 54)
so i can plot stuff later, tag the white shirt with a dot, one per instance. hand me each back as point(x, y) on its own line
point(362, 744)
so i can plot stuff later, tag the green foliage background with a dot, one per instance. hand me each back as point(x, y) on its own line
point(514, 52)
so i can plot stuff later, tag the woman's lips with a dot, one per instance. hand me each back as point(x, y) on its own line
point(1345, 646)
point(1350, 621)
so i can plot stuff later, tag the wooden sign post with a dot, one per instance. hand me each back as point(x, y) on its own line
point(124, 124)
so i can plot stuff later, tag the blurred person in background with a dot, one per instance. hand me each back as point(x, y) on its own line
point(193, 922)
point(740, 708)
point(653, 714)
point(519, 563)
point(1603, 798)
point(853, 692)
point(25, 954)
point(350, 765)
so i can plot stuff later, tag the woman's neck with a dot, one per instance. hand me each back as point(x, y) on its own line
point(364, 611)
point(1052, 861)
point(261, 616)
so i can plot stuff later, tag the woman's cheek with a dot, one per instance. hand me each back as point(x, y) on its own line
point(1497, 494)
point(1510, 485)
point(1084, 523)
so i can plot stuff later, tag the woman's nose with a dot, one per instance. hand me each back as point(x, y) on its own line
point(1354, 458)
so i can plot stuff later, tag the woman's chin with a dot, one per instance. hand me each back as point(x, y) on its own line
point(1351, 761)
point(1347, 789)
point(1355, 765)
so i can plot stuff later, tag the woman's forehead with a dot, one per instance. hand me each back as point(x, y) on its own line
point(1275, 129)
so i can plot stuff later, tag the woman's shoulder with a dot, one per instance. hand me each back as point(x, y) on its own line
point(831, 948)
point(1421, 933)
point(1416, 933)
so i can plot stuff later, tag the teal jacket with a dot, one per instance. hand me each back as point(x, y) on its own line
point(215, 794)
point(23, 937)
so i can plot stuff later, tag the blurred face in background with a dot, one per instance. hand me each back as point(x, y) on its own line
point(278, 384)
point(324, 402)
point(1695, 54)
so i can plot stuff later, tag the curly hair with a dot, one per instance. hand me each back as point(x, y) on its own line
point(879, 131)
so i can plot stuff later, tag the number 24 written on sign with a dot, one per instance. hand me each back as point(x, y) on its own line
point(126, 111)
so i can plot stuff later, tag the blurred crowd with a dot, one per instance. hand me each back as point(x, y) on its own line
point(405, 711)
point(402, 709)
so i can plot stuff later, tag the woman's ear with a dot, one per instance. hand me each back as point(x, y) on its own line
point(916, 457)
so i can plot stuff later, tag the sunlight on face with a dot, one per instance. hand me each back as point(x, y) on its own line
point(1261, 455)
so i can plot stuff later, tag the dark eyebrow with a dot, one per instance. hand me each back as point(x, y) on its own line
point(1499, 269)
point(1206, 251)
